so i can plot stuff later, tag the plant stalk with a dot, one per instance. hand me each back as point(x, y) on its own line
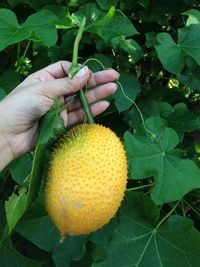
point(26, 49)
point(140, 187)
point(167, 215)
point(75, 68)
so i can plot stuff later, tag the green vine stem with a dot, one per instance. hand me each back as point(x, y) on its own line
point(153, 136)
point(18, 50)
point(26, 49)
point(140, 187)
point(167, 215)
point(75, 67)
point(191, 207)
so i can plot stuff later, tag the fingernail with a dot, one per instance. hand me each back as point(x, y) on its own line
point(118, 76)
point(107, 104)
point(82, 72)
point(115, 88)
point(117, 73)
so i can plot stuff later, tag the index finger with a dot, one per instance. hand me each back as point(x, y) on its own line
point(59, 69)
point(101, 77)
point(54, 71)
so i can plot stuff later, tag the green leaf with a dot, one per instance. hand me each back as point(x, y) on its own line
point(157, 157)
point(15, 208)
point(179, 117)
point(189, 39)
point(36, 173)
point(190, 79)
point(63, 20)
point(96, 66)
point(51, 124)
point(173, 55)
point(21, 168)
point(144, 3)
point(37, 208)
point(86, 261)
point(99, 252)
point(35, 4)
point(17, 204)
point(137, 239)
point(106, 4)
point(130, 89)
point(169, 53)
point(183, 120)
point(149, 108)
point(42, 27)
point(130, 46)
point(90, 11)
point(106, 25)
point(9, 80)
point(11, 258)
point(2, 93)
point(194, 16)
point(102, 235)
point(114, 24)
point(10, 31)
point(150, 39)
point(3, 219)
point(40, 231)
point(73, 248)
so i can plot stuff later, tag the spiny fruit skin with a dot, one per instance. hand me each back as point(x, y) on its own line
point(86, 179)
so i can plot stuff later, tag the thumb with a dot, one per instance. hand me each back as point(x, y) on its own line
point(64, 86)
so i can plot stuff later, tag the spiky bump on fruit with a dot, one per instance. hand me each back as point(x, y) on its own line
point(86, 179)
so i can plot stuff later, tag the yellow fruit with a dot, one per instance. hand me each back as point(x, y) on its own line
point(86, 180)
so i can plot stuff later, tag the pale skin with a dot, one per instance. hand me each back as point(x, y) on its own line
point(21, 110)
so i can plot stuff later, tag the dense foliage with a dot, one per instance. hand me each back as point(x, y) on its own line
point(155, 45)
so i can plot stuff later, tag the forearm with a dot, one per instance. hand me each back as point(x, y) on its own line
point(6, 155)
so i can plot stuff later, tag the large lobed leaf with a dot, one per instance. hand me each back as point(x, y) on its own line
point(40, 231)
point(178, 117)
point(38, 27)
point(139, 241)
point(156, 156)
point(11, 258)
point(128, 89)
point(173, 55)
point(106, 25)
point(41, 25)
point(10, 30)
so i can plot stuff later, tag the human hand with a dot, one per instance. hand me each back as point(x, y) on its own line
point(24, 106)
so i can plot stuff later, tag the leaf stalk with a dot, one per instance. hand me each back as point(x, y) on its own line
point(167, 215)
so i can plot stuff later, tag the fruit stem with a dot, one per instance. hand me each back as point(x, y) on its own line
point(75, 68)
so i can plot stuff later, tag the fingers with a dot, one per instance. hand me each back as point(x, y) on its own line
point(101, 77)
point(77, 116)
point(96, 94)
point(64, 116)
point(59, 69)
point(64, 86)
